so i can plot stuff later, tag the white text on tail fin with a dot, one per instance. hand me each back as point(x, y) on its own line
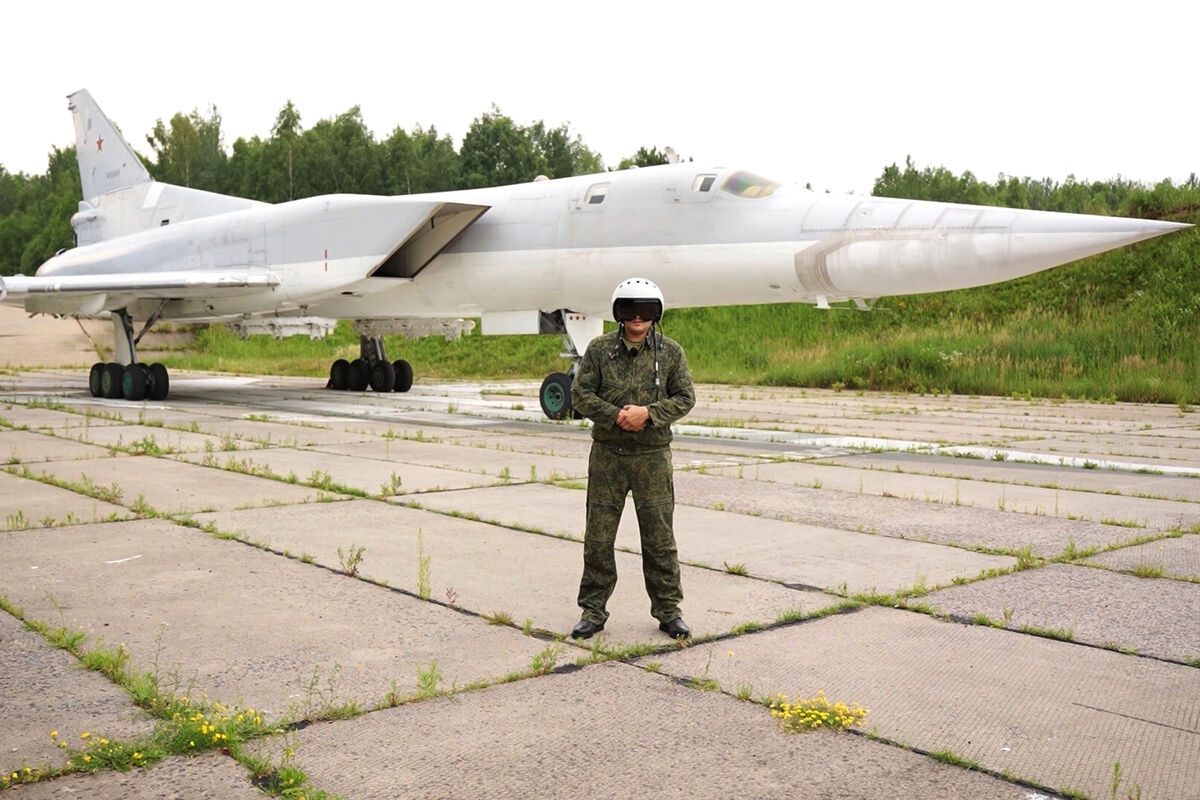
point(106, 161)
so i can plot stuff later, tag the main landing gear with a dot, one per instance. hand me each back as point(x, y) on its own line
point(129, 381)
point(125, 378)
point(371, 368)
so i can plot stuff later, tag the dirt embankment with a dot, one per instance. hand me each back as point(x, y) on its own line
point(43, 341)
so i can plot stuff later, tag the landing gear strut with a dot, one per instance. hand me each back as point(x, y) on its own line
point(576, 331)
point(125, 378)
point(371, 368)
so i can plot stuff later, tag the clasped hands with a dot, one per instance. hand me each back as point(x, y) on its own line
point(633, 418)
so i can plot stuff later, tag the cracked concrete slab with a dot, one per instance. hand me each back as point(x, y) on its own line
point(246, 627)
point(44, 689)
point(1103, 481)
point(1175, 452)
point(610, 731)
point(781, 551)
point(211, 776)
point(1052, 713)
point(1150, 616)
point(372, 476)
point(64, 424)
point(1149, 513)
point(917, 520)
point(493, 571)
point(1176, 557)
point(172, 486)
point(150, 438)
point(256, 433)
point(26, 447)
point(28, 503)
point(517, 465)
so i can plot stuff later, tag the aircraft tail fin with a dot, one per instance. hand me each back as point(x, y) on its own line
point(106, 161)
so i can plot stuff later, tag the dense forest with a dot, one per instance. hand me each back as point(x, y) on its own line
point(1122, 325)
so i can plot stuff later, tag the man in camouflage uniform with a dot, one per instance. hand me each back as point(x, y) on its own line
point(632, 383)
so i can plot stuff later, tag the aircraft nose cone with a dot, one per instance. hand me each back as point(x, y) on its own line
point(1066, 237)
point(1064, 223)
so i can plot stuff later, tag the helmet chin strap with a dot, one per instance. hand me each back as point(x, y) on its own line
point(654, 350)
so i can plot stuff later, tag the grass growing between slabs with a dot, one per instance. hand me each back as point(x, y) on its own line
point(185, 724)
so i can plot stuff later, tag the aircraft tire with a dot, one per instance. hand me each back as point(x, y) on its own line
point(339, 375)
point(110, 381)
point(359, 376)
point(134, 380)
point(159, 385)
point(383, 376)
point(94, 379)
point(555, 396)
point(404, 375)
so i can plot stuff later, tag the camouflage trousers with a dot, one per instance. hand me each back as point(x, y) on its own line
point(613, 473)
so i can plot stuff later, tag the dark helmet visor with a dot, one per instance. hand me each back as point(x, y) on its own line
point(646, 310)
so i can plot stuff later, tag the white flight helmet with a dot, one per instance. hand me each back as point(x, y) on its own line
point(636, 291)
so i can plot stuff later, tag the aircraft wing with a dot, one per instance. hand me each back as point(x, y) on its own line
point(175, 283)
point(86, 294)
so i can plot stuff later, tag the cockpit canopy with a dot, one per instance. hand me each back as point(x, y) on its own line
point(747, 184)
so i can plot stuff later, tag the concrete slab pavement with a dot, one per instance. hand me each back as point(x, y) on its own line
point(244, 626)
point(976, 528)
point(372, 476)
point(612, 731)
point(787, 552)
point(538, 585)
point(31, 415)
point(152, 438)
point(1052, 713)
point(1120, 482)
point(1152, 617)
point(211, 776)
point(1177, 557)
point(44, 689)
point(1152, 513)
point(294, 635)
point(473, 457)
point(25, 447)
point(170, 486)
point(28, 503)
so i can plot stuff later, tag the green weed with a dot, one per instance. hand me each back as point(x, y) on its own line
point(351, 559)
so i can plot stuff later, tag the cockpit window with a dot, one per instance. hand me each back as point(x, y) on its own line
point(747, 184)
point(703, 183)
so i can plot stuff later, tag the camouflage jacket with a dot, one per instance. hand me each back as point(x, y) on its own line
point(610, 377)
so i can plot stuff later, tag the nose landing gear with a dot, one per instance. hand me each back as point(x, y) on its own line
point(576, 331)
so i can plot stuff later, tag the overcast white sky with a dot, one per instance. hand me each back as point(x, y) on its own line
point(827, 93)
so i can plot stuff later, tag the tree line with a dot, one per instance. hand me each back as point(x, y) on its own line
point(340, 154)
